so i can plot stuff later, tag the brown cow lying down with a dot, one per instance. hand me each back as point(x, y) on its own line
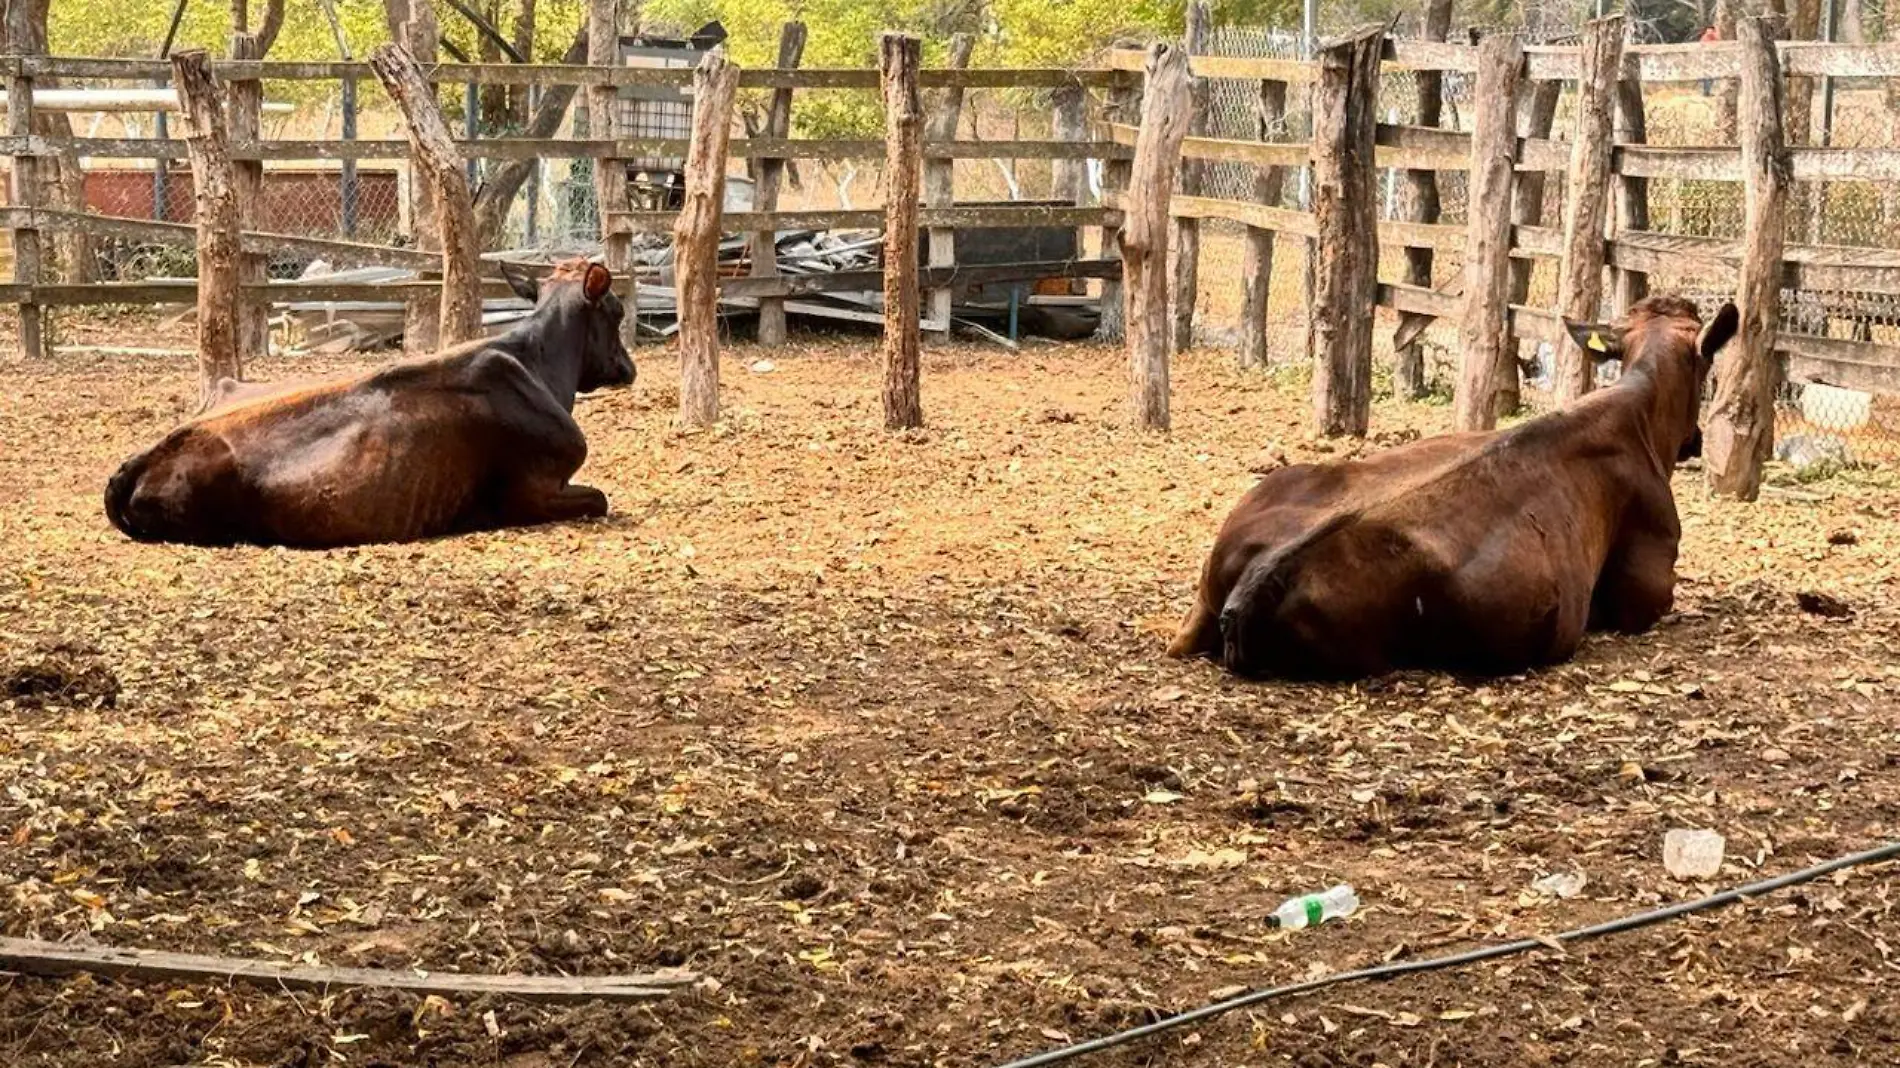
point(1488, 552)
point(476, 437)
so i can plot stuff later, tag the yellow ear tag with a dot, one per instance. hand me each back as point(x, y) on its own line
point(1596, 342)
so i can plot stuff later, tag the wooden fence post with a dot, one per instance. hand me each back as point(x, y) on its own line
point(1123, 105)
point(1346, 225)
point(416, 29)
point(1587, 198)
point(696, 236)
point(1408, 366)
point(1632, 194)
point(610, 175)
point(900, 56)
point(244, 107)
point(1741, 425)
point(1256, 255)
point(459, 317)
point(771, 173)
point(216, 210)
point(1166, 108)
point(24, 189)
point(1193, 173)
point(1070, 122)
point(1538, 114)
point(1484, 327)
point(940, 180)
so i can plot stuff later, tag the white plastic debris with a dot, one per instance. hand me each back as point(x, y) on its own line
point(1563, 884)
point(1693, 854)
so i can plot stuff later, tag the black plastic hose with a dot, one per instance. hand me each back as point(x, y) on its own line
point(1505, 949)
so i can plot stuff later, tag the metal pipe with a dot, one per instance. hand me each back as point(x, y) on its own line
point(349, 190)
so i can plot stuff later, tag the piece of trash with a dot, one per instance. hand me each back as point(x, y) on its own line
point(1693, 854)
point(1315, 909)
point(1564, 884)
point(763, 367)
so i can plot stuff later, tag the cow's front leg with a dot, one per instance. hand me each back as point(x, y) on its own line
point(542, 501)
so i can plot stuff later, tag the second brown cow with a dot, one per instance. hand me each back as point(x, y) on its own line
point(1489, 552)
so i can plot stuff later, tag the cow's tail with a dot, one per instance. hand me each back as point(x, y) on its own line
point(1261, 588)
point(119, 489)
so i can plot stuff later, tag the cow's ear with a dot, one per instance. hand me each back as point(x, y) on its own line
point(525, 286)
point(1601, 340)
point(597, 282)
point(1719, 331)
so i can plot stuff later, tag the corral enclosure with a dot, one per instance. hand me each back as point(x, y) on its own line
point(872, 731)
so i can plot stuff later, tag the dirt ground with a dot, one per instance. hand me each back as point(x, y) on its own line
point(875, 734)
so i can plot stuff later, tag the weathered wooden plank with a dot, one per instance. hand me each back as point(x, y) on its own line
point(1847, 364)
point(169, 233)
point(574, 74)
point(1805, 267)
point(1423, 148)
point(514, 148)
point(610, 173)
point(899, 56)
point(976, 218)
point(1223, 150)
point(940, 178)
point(1587, 200)
point(1256, 257)
point(769, 174)
point(1345, 218)
point(184, 291)
point(244, 105)
point(1484, 322)
point(1165, 114)
point(1184, 294)
point(1739, 434)
point(1408, 356)
point(32, 957)
point(696, 235)
point(1632, 193)
point(1266, 217)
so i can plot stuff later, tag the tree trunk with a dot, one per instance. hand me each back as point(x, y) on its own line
point(696, 237)
point(1346, 222)
point(497, 194)
point(1408, 369)
point(1187, 232)
point(1256, 263)
point(940, 178)
point(412, 24)
point(441, 166)
point(769, 176)
point(899, 57)
point(1166, 109)
point(244, 112)
point(1741, 424)
point(216, 209)
point(1587, 199)
point(1725, 11)
point(1484, 328)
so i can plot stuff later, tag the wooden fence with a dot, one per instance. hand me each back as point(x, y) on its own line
point(27, 219)
point(1604, 159)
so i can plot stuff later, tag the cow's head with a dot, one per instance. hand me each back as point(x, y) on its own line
point(580, 294)
point(1664, 334)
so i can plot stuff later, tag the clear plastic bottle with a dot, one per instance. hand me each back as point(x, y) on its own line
point(1314, 909)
